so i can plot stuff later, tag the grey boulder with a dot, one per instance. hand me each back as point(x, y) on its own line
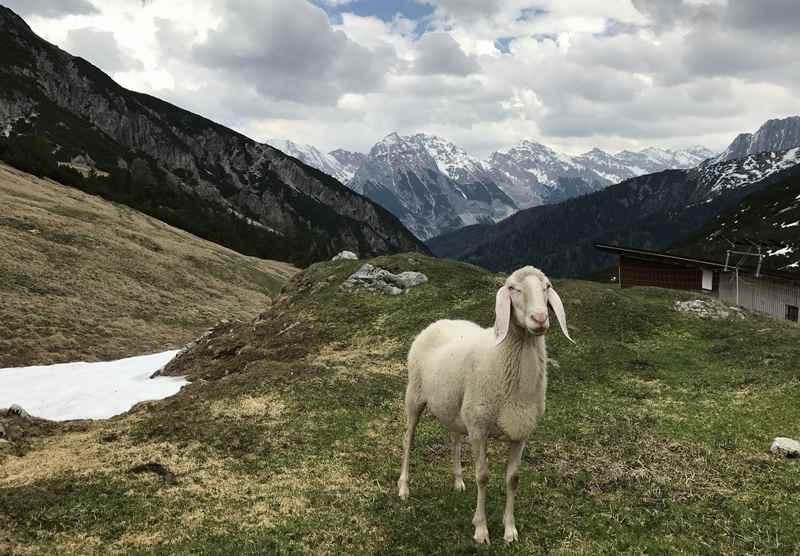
point(785, 446)
point(345, 255)
point(380, 280)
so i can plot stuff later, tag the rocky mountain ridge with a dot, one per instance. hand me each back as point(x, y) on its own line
point(83, 113)
point(451, 188)
point(653, 211)
point(773, 136)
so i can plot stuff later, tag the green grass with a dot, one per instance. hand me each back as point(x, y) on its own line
point(655, 438)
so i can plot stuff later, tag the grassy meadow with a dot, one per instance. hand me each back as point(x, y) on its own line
point(287, 441)
point(85, 279)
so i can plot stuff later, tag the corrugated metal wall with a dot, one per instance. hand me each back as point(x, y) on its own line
point(763, 294)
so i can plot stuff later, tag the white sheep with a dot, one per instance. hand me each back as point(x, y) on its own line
point(485, 382)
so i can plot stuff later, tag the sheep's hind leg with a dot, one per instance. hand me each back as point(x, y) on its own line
point(458, 477)
point(478, 444)
point(414, 408)
point(512, 481)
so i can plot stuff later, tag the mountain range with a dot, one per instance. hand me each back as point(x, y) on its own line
point(654, 211)
point(435, 186)
point(278, 206)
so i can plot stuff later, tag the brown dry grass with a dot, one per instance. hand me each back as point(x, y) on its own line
point(84, 278)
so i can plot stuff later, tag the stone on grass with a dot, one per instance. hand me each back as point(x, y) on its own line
point(376, 279)
point(18, 411)
point(786, 447)
point(345, 255)
point(709, 309)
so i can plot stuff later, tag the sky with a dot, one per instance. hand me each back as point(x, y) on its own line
point(485, 74)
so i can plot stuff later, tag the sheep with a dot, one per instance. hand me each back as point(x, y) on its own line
point(485, 382)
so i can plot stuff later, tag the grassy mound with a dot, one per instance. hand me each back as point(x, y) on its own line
point(82, 278)
point(288, 439)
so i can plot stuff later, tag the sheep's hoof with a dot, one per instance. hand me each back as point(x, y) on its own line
point(482, 534)
point(511, 534)
point(459, 485)
point(402, 491)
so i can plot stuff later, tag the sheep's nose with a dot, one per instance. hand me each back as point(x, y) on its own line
point(539, 316)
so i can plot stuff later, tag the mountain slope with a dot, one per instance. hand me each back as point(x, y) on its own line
point(651, 160)
point(534, 174)
point(430, 184)
point(433, 185)
point(341, 165)
point(288, 438)
point(650, 212)
point(770, 216)
point(83, 113)
point(85, 279)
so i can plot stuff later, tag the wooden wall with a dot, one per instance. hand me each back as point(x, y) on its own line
point(635, 272)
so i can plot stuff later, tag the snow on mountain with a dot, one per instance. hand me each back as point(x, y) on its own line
point(773, 135)
point(350, 161)
point(434, 185)
point(731, 174)
point(651, 159)
point(335, 166)
point(431, 184)
point(534, 174)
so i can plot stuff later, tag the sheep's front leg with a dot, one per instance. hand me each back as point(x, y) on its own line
point(458, 477)
point(481, 479)
point(512, 481)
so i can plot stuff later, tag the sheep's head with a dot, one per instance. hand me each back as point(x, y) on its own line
point(523, 300)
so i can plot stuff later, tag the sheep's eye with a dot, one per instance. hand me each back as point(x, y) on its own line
point(512, 289)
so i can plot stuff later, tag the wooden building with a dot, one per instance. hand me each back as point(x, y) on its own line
point(771, 292)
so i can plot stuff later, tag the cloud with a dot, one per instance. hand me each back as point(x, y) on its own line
point(439, 53)
point(485, 73)
point(101, 49)
point(51, 8)
point(289, 50)
point(466, 9)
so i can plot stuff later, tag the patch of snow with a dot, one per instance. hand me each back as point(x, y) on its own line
point(790, 225)
point(88, 390)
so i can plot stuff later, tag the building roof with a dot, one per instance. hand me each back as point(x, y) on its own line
point(688, 261)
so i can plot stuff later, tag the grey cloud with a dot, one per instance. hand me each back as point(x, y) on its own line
point(724, 51)
point(287, 50)
point(766, 16)
point(466, 9)
point(665, 14)
point(51, 8)
point(101, 49)
point(439, 53)
point(173, 41)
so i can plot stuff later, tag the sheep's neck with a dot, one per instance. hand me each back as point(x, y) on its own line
point(524, 357)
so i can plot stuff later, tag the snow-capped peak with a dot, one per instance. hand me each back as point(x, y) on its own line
point(326, 162)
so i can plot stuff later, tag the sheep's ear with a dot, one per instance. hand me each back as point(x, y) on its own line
point(558, 309)
point(502, 314)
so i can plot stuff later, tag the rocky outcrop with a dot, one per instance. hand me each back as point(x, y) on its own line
point(379, 280)
point(773, 135)
point(345, 256)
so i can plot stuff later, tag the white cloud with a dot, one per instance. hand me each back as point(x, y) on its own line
point(485, 73)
